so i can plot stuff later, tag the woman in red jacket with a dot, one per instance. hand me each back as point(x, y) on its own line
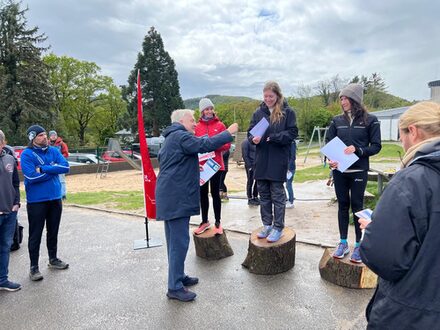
point(210, 125)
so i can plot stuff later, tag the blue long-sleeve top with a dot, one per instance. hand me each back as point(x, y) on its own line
point(43, 185)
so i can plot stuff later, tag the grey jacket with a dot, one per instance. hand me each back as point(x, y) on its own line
point(9, 183)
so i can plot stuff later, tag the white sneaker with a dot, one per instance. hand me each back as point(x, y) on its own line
point(289, 205)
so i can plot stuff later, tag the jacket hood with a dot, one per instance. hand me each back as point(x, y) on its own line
point(429, 156)
point(173, 128)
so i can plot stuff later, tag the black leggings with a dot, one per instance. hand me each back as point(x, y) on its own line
point(214, 182)
point(38, 214)
point(350, 189)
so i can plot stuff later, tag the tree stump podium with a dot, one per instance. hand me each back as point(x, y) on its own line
point(266, 258)
point(212, 247)
point(345, 273)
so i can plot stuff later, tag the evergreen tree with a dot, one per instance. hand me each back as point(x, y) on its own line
point(160, 86)
point(25, 92)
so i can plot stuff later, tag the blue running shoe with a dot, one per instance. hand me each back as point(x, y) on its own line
point(264, 232)
point(356, 256)
point(341, 251)
point(274, 235)
point(10, 286)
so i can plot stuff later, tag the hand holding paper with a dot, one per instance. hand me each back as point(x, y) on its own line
point(260, 128)
point(335, 150)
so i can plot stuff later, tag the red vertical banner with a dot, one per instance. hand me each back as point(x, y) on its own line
point(148, 174)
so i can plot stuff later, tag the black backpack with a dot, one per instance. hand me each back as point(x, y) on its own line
point(18, 236)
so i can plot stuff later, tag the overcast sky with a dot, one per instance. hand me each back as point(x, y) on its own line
point(232, 47)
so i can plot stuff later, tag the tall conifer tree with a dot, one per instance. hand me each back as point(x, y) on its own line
point(160, 85)
point(25, 92)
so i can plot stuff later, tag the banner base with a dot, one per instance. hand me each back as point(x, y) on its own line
point(146, 244)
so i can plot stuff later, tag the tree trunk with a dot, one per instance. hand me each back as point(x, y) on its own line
point(212, 247)
point(342, 272)
point(266, 258)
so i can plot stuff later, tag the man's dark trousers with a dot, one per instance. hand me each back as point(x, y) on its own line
point(177, 237)
point(48, 212)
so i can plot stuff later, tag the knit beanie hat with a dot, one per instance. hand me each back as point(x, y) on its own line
point(33, 131)
point(353, 91)
point(53, 133)
point(205, 103)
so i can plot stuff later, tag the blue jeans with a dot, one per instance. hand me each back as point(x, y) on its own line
point(289, 187)
point(7, 229)
point(177, 237)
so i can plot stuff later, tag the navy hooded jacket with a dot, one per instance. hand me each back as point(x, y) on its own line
point(401, 245)
point(178, 182)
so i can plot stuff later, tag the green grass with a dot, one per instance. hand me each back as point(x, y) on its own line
point(389, 150)
point(311, 173)
point(123, 200)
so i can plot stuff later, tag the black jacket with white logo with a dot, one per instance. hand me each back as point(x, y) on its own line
point(363, 135)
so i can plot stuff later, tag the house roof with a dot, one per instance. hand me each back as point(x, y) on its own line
point(390, 113)
point(123, 132)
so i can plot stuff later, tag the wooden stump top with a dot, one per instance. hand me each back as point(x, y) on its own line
point(288, 235)
point(206, 234)
point(345, 273)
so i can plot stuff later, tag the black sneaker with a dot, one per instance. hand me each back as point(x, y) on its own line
point(190, 281)
point(57, 264)
point(182, 294)
point(35, 274)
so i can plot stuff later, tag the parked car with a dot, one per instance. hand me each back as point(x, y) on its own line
point(18, 150)
point(113, 156)
point(84, 158)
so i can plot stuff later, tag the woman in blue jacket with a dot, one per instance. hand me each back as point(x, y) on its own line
point(360, 131)
point(272, 157)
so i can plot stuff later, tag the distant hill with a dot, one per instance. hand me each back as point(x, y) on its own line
point(216, 99)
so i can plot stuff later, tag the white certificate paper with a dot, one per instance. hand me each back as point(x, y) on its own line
point(209, 169)
point(334, 150)
point(260, 128)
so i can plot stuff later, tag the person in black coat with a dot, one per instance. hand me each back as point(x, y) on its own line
point(178, 192)
point(248, 154)
point(402, 242)
point(360, 131)
point(272, 158)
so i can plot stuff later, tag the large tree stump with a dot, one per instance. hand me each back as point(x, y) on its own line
point(266, 258)
point(345, 273)
point(212, 247)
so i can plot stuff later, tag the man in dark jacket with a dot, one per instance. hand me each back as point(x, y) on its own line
point(248, 154)
point(41, 165)
point(177, 192)
point(9, 205)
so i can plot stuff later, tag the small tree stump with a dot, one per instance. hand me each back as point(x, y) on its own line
point(266, 258)
point(212, 247)
point(345, 273)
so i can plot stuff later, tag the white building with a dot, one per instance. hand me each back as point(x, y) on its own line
point(389, 118)
point(389, 123)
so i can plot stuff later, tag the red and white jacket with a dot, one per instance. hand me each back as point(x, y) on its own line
point(210, 128)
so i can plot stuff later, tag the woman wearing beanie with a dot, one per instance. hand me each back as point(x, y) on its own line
point(360, 131)
point(272, 158)
point(210, 125)
point(402, 241)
